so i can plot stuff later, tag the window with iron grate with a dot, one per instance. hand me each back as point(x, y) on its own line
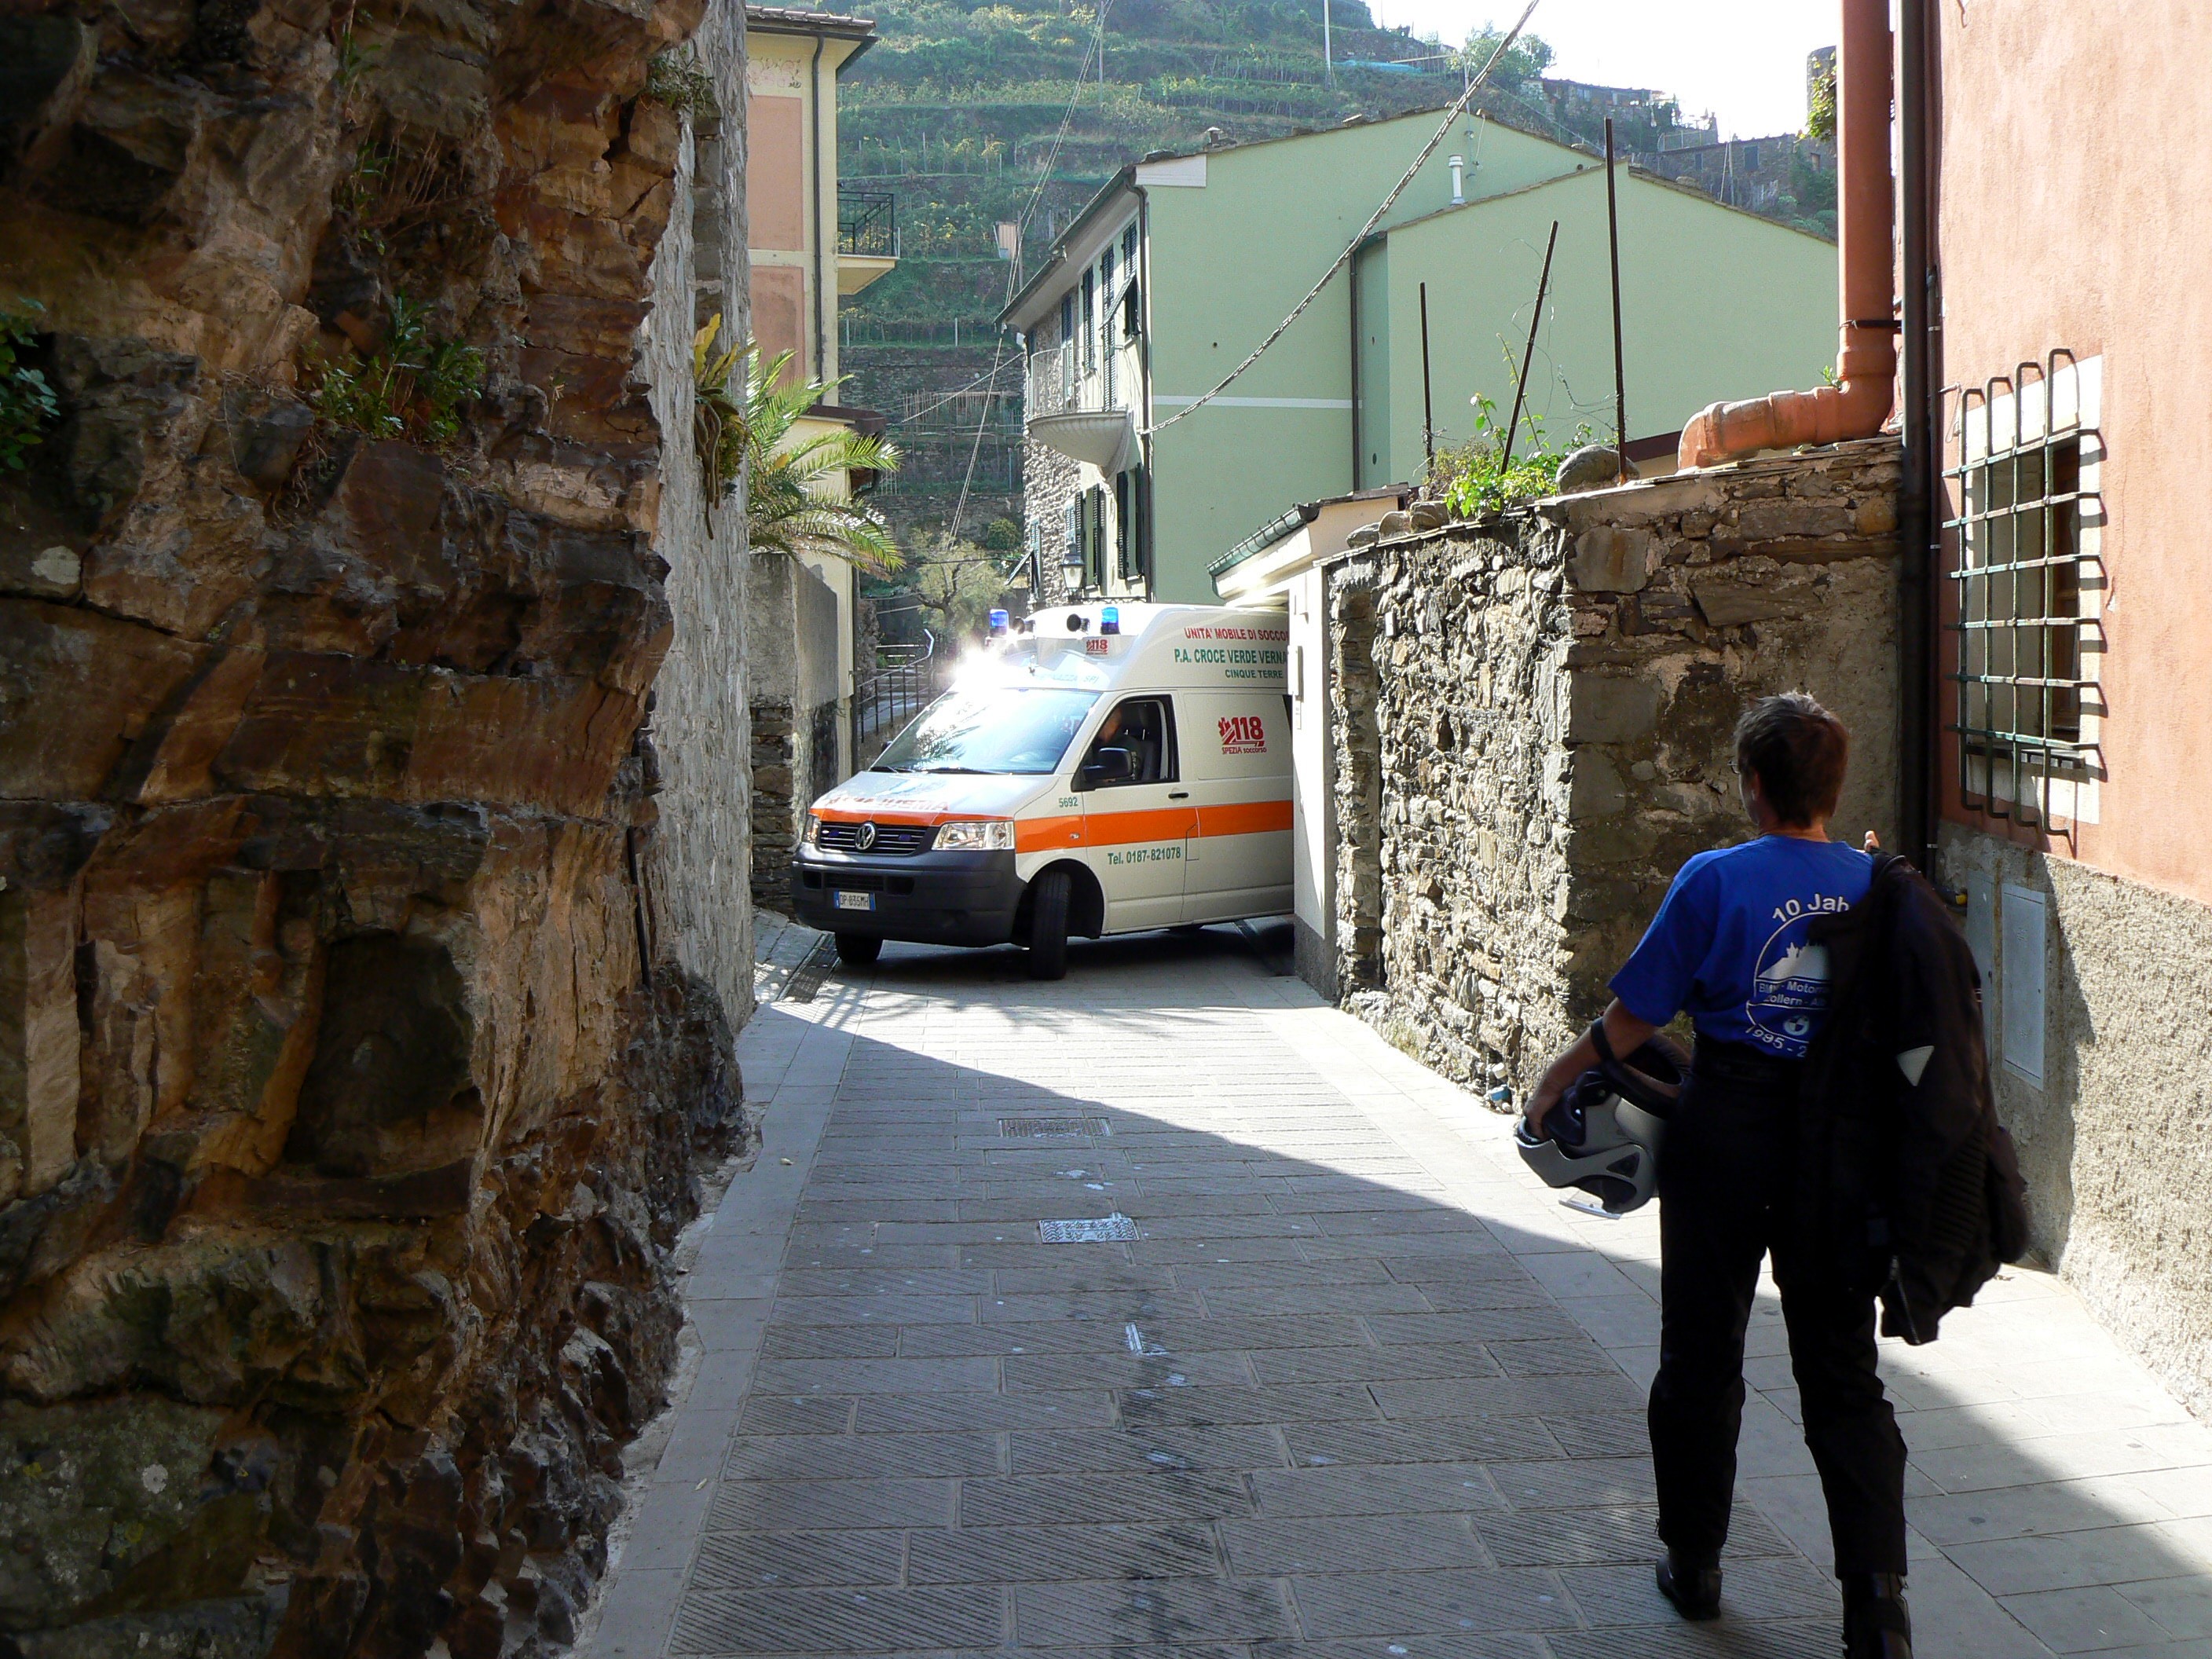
point(2025, 579)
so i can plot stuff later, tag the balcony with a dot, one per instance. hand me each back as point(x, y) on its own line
point(867, 238)
point(1083, 411)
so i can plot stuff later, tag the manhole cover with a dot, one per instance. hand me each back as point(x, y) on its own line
point(1105, 1230)
point(1021, 1127)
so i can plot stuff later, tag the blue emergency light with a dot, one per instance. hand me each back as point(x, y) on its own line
point(1109, 620)
point(998, 621)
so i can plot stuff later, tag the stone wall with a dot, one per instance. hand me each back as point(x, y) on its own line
point(698, 855)
point(346, 1119)
point(795, 712)
point(1532, 721)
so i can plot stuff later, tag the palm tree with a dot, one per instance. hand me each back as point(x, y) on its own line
point(793, 505)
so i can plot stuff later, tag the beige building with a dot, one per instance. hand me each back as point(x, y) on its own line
point(810, 244)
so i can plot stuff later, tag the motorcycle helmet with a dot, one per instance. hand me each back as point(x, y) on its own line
point(1605, 1134)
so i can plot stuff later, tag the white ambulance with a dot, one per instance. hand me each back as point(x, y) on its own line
point(1104, 769)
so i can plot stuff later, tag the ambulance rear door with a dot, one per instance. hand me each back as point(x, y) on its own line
point(1237, 761)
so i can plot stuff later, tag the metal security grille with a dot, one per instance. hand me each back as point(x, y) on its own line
point(1105, 1230)
point(1013, 1129)
point(2019, 573)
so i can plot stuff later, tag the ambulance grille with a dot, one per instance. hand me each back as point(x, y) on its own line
point(1026, 1128)
point(891, 840)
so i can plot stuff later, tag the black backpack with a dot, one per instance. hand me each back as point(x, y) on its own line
point(1907, 1184)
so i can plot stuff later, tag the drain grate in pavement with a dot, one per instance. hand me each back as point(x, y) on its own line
point(805, 979)
point(1104, 1230)
point(1016, 1128)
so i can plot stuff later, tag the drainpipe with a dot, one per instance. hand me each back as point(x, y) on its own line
point(814, 188)
point(1917, 517)
point(1866, 368)
point(1147, 524)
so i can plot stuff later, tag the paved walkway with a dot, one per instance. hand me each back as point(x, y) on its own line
point(1340, 1380)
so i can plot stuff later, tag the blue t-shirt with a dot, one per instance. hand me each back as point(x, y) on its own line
point(1729, 946)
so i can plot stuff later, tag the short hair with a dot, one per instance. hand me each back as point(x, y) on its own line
point(1799, 751)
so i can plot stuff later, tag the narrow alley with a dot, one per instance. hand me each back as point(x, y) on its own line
point(1166, 1307)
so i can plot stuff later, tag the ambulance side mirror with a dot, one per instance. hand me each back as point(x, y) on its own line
point(1107, 766)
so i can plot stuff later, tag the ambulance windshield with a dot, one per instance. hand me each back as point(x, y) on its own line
point(990, 729)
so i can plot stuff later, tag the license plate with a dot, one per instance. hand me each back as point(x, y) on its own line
point(855, 901)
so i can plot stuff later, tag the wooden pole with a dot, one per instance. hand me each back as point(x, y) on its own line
point(1619, 386)
point(1528, 357)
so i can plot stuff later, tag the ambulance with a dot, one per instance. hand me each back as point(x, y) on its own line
point(1097, 770)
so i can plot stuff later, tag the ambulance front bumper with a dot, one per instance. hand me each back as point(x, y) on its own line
point(930, 898)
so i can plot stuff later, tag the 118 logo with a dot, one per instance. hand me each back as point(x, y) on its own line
point(1243, 734)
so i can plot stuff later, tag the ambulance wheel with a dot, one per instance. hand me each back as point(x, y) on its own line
point(858, 950)
point(1048, 939)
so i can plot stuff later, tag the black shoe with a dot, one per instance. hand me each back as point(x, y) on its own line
point(1876, 1623)
point(1696, 1593)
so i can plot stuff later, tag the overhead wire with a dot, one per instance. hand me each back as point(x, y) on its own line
point(1352, 247)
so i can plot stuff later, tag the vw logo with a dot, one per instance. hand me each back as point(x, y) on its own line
point(866, 838)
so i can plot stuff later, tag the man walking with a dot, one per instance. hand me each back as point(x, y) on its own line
point(1732, 946)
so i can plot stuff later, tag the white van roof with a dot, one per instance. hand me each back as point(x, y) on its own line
point(1174, 647)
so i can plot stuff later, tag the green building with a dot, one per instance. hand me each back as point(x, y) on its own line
point(1182, 264)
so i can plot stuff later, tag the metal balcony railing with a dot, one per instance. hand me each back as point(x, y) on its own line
point(867, 223)
point(1060, 383)
point(906, 680)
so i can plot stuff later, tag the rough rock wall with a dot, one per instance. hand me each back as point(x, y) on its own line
point(342, 1130)
point(795, 709)
point(700, 854)
point(1533, 718)
point(2113, 1132)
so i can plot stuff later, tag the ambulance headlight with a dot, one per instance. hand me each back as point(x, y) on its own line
point(813, 836)
point(977, 836)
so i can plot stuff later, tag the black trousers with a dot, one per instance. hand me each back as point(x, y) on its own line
point(1724, 1186)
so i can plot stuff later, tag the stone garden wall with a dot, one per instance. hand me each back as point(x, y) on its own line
point(1532, 721)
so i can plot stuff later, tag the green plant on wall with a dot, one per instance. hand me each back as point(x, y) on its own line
point(1475, 479)
point(796, 488)
point(412, 387)
point(676, 79)
point(26, 401)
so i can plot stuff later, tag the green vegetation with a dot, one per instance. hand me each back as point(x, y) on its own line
point(956, 583)
point(413, 387)
point(795, 499)
point(1475, 480)
point(675, 78)
point(28, 403)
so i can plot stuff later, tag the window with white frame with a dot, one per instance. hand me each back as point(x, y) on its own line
point(2028, 580)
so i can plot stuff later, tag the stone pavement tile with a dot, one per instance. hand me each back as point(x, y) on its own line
point(1578, 1273)
point(728, 1326)
point(664, 1527)
point(1148, 1610)
point(1483, 1325)
point(635, 1613)
point(1424, 1397)
point(2085, 1621)
point(1388, 1489)
point(796, 1414)
point(1388, 1298)
point(837, 1621)
point(1598, 1537)
point(1457, 1645)
point(2054, 1457)
point(1125, 1370)
point(2069, 1560)
point(1953, 1614)
point(854, 1457)
point(1075, 1275)
point(872, 1376)
point(1094, 1305)
point(1463, 1244)
point(1586, 1483)
point(1363, 1365)
point(771, 1560)
point(696, 1445)
point(1389, 1603)
point(1573, 1356)
point(1765, 1588)
point(909, 1413)
point(1321, 1403)
point(830, 1342)
point(801, 1505)
point(1441, 1440)
point(876, 1309)
point(1059, 1500)
point(1615, 1321)
point(870, 1281)
point(1600, 1434)
point(1218, 1275)
point(1724, 1638)
point(2184, 1492)
point(2181, 1605)
point(1352, 1543)
point(1139, 1448)
point(1016, 1554)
